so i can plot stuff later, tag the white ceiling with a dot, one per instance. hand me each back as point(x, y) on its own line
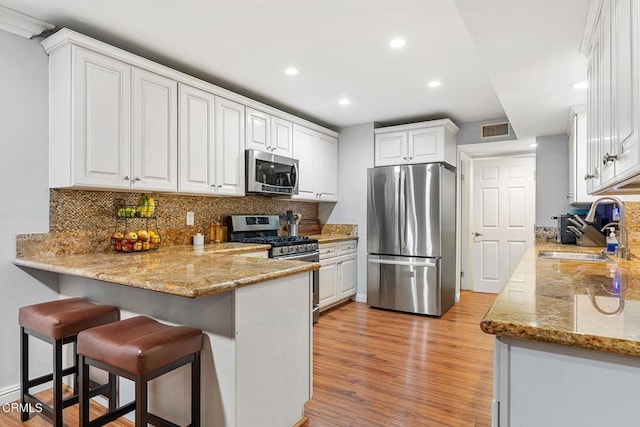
point(493, 57)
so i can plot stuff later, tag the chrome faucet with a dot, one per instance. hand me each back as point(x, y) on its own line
point(623, 246)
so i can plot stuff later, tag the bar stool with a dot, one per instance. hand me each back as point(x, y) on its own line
point(58, 323)
point(139, 349)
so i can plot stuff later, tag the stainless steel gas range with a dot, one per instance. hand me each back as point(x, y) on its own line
point(264, 229)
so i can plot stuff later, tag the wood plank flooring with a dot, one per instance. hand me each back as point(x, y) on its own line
point(381, 368)
point(70, 414)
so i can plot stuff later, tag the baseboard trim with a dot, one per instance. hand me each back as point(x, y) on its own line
point(361, 298)
point(9, 394)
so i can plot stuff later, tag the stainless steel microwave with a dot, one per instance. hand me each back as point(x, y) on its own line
point(271, 174)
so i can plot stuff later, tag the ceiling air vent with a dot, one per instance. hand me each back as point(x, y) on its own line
point(495, 130)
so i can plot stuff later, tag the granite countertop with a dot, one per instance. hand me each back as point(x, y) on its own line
point(185, 271)
point(331, 238)
point(593, 305)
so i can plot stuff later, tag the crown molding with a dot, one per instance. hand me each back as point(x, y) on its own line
point(21, 25)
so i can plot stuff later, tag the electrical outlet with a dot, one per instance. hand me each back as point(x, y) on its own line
point(190, 218)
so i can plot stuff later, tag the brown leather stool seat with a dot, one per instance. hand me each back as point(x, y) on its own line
point(139, 349)
point(58, 323)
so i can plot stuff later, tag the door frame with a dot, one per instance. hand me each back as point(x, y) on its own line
point(466, 155)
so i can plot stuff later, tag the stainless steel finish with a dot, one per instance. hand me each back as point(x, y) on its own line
point(411, 217)
point(404, 284)
point(255, 222)
point(575, 222)
point(383, 211)
point(592, 212)
point(580, 220)
point(574, 230)
point(574, 256)
point(307, 256)
point(256, 184)
point(609, 158)
point(293, 230)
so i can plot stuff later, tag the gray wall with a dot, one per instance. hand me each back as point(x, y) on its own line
point(24, 206)
point(552, 178)
point(355, 156)
point(470, 132)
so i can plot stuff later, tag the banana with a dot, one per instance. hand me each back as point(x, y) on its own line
point(146, 206)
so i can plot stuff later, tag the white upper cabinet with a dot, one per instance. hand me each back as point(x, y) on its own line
point(155, 132)
point(196, 141)
point(211, 144)
point(229, 165)
point(578, 176)
point(268, 133)
point(317, 156)
point(100, 139)
point(122, 122)
point(123, 130)
point(425, 142)
point(613, 165)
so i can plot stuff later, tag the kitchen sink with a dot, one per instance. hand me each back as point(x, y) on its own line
point(574, 256)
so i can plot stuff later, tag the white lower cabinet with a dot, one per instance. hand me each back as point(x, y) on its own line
point(542, 384)
point(338, 275)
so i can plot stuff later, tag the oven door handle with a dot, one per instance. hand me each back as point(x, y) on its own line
point(295, 257)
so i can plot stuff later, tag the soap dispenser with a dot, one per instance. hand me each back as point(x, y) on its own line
point(612, 241)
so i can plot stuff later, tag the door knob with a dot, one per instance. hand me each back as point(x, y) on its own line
point(476, 234)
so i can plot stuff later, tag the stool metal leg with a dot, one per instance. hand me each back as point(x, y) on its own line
point(113, 392)
point(141, 401)
point(57, 384)
point(83, 369)
point(195, 391)
point(24, 374)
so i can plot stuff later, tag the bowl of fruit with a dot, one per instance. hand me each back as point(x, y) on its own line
point(135, 241)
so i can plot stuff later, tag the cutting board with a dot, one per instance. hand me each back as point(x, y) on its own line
point(309, 226)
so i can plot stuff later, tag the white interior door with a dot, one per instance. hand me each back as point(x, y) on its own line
point(503, 218)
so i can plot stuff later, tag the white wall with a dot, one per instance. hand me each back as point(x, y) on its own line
point(355, 156)
point(552, 179)
point(24, 201)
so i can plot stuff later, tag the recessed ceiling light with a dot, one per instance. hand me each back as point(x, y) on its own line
point(580, 85)
point(344, 101)
point(434, 83)
point(397, 43)
point(533, 145)
point(291, 71)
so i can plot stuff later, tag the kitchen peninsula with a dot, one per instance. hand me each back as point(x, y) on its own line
point(255, 312)
point(567, 350)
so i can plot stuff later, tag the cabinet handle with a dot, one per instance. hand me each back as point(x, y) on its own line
point(126, 178)
point(410, 158)
point(138, 178)
point(219, 185)
point(404, 158)
point(589, 176)
point(609, 158)
point(570, 196)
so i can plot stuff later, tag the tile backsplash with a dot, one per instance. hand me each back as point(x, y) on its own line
point(94, 212)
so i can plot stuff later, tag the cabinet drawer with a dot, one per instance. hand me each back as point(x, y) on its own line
point(348, 247)
point(328, 250)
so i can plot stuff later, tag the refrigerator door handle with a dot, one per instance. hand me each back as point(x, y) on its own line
point(392, 262)
point(403, 210)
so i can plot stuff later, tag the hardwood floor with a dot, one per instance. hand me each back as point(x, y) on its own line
point(11, 418)
point(381, 368)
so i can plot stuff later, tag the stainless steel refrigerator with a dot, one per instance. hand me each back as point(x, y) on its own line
point(411, 238)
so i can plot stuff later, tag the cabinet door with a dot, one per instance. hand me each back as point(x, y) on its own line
point(328, 282)
point(229, 166)
point(625, 93)
point(305, 149)
point(391, 148)
point(281, 137)
point(578, 160)
point(592, 175)
point(258, 130)
point(155, 132)
point(347, 275)
point(196, 140)
point(102, 127)
point(329, 168)
point(608, 147)
point(426, 145)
